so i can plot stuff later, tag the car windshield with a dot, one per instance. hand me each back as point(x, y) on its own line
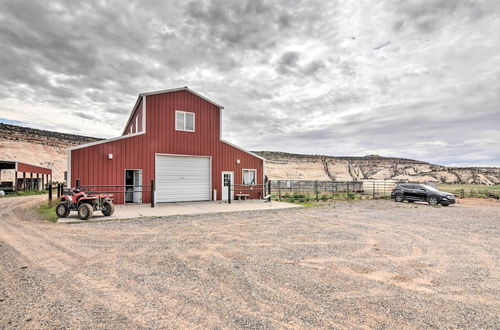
point(429, 187)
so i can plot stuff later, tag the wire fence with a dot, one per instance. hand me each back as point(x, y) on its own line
point(304, 190)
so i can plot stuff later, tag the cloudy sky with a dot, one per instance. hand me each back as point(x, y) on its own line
point(417, 79)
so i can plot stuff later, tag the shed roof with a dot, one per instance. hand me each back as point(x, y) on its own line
point(24, 167)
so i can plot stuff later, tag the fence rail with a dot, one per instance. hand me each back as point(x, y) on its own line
point(258, 191)
point(102, 189)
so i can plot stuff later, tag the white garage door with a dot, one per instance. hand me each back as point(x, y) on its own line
point(182, 178)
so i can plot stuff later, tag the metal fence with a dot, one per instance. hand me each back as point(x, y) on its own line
point(60, 189)
point(315, 189)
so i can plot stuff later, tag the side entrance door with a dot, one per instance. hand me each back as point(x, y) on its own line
point(133, 189)
point(226, 178)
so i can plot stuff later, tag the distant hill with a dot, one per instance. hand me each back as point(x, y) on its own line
point(282, 165)
point(39, 147)
point(47, 148)
point(50, 138)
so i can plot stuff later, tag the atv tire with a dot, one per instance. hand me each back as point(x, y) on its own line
point(62, 210)
point(85, 211)
point(108, 209)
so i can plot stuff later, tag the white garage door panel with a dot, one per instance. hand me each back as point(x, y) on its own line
point(182, 178)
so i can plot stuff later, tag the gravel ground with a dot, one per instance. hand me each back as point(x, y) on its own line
point(376, 264)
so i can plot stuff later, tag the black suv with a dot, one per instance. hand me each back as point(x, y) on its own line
point(420, 192)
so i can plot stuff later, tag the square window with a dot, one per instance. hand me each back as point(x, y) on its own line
point(184, 121)
point(249, 177)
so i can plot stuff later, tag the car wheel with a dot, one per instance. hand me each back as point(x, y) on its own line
point(432, 201)
point(399, 198)
point(62, 210)
point(108, 208)
point(85, 211)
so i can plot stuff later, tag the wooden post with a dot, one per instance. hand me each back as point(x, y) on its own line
point(347, 189)
point(229, 190)
point(152, 193)
point(373, 189)
point(43, 181)
point(279, 190)
point(37, 181)
point(269, 189)
point(316, 190)
point(58, 191)
point(50, 193)
point(15, 181)
point(24, 181)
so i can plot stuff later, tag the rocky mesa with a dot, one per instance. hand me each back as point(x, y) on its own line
point(280, 165)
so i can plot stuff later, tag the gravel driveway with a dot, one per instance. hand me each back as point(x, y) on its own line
point(361, 264)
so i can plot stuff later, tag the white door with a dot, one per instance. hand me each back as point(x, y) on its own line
point(226, 176)
point(137, 186)
point(182, 178)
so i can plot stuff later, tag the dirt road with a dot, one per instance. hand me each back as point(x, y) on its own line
point(360, 264)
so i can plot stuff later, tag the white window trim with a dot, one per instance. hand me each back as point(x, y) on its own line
point(243, 176)
point(184, 113)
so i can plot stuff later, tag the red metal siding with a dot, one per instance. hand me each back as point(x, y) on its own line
point(92, 166)
point(21, 167)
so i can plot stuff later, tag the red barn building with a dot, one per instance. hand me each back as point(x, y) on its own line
point(174, 137)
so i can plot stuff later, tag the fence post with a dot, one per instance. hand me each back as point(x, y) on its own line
point(152, 193)
point(279, 189)
point(50, 192)
point(78, 183)
point(347, 189)
point(229, 190)
point(58, 191)
point(462, 193)
point(269, 189)
point(316, 189)
point(373, 190)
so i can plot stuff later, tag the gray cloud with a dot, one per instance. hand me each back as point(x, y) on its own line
point(417, 79)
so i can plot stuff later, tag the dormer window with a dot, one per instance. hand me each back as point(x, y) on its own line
point(184, 121)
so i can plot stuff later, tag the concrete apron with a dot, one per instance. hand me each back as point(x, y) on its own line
point(185, 208)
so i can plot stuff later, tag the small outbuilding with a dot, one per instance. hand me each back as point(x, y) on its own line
point(26, 176)
point(174, 138)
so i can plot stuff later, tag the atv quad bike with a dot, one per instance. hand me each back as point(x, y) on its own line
point(85, 204)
